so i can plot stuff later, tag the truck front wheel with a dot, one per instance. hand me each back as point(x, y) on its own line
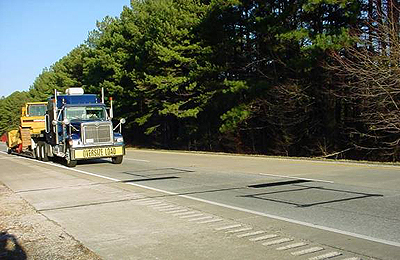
point(117, 160)
point(71, 163)
point(68, 161)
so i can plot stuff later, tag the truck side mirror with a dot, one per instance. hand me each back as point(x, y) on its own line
point(122, 121)
point(54, 122)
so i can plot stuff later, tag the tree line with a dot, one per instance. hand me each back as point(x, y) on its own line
point(292, 78)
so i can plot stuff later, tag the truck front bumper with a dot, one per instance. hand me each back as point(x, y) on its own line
point(97, 152)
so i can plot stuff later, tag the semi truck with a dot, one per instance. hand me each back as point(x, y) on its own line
point(76, 126)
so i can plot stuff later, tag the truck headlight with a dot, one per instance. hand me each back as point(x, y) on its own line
point(120, 140)
point(74, 142)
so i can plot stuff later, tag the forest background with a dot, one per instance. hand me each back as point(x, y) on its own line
point(277, 77)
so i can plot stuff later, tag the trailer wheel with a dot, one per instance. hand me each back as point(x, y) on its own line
point(37, 152)
point(117, 160)
point(68, 161)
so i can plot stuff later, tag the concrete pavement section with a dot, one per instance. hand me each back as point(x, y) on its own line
point(27, 234)
point(116, 220)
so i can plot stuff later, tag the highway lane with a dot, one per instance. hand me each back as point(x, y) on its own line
point(312, 200)
point(308, 192)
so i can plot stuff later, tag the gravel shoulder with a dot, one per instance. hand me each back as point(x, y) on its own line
point(27, 234)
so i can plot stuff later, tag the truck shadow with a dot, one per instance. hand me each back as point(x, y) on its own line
point(84, 162)
point(10, 248)
point(94, 161)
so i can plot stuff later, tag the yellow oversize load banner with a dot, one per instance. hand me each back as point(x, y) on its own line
point(99, 152)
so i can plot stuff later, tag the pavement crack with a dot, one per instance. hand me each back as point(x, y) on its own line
point(88, 204)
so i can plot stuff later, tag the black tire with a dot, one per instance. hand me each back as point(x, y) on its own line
point(36, 152)
point(9, 150)
point(69, 162)
point(43, 152)
point(117, 160)
point(39, 151)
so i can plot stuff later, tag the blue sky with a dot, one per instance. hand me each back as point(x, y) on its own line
point(34, 34)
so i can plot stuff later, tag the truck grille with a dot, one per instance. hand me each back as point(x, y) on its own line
point(97, 133)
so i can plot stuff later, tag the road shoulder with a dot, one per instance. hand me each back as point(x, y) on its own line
point(27, 234)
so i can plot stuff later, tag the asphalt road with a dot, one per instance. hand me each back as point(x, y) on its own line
point(173, 205)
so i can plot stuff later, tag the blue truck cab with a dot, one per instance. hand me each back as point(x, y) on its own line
point(79, 127)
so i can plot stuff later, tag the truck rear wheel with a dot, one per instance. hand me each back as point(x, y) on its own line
point(117, 160)
point(43, 152)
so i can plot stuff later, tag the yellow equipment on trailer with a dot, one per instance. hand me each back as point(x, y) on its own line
point(32, 124)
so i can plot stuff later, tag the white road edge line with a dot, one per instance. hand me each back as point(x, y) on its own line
point(338, 231)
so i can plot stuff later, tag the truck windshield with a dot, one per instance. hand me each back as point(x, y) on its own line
point(85, 113)
point(36, 110)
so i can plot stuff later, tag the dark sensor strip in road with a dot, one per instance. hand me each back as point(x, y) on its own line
point(177, 170)
point(152, 179)
point(280, 183)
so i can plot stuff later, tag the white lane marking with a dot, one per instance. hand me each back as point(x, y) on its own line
point(202, 218)
point(160, 206)
point(145, 200)
point(325, 256)
point(138, 160)
point(192, 215)
point(210, 221)
point(251, 234)
point(352, 258)
point(228, 227)
point(166, 207)
point(276, 158)
point(308, 251)
point(297, 178)
point(185, 213)
point(277, 242)
point(338, 231)
point(291, 246)
point(263, 237)
point(175, 211)
point(152, 203)
point(239, 230)
point(136, 198)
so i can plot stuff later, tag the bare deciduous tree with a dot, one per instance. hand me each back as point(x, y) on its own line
point(369, 73)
